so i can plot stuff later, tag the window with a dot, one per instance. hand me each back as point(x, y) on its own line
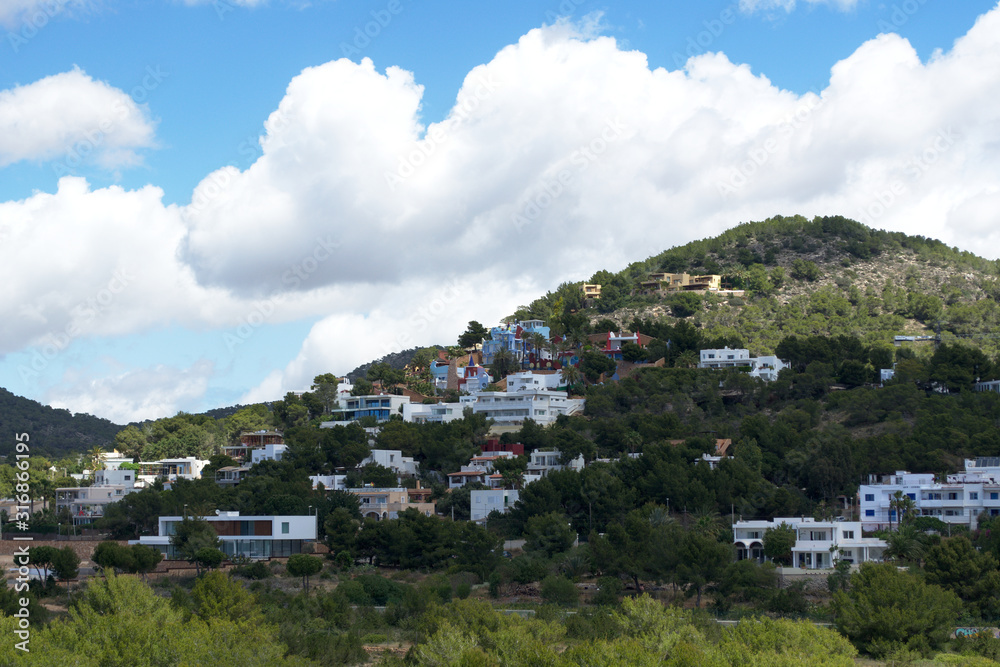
point(869, 512)
point(911, 496)
point(848, 534)
point(952, 496)
point(869, 497)
point(284, 527)
point(973, 495)
point(994, 495)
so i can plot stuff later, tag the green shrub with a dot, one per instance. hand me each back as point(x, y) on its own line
point(609, 590)
point(557, 589)
point(253, 571)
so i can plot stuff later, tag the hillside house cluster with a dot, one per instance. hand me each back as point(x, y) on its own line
point(113, 482)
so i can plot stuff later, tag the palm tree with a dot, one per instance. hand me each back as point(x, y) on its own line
point(707, 521)
point(659, 516)
point(904, 544)
point(571, 375)
point(687, 359)
point(903, 506)
point(95, 459)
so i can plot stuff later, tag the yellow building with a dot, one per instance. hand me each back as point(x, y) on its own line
point(682, 282)
point(591, 291)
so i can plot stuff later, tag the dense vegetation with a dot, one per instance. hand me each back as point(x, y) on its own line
point(54, 431)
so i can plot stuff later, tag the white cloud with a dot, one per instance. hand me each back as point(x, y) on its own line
point(562, 155)
point(751, 6)
point(135, 395)
point(33, 15)
point(71, 118)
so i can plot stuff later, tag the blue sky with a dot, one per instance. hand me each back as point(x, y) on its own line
point(136, 103)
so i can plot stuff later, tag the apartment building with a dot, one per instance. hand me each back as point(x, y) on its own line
point(954, 499)
point(513, 407)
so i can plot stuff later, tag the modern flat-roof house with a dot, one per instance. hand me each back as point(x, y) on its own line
point(485, 501)
point(958, 499)
point(231, 475)
point(329, 482)
point(591, 291)
point(766, 367)
point(818, 544)
point(189, 467)
point(393, 459)
point(256, 537)
point(379, 406)
point(250, 441)
point(544, 461)
point(437, 413)
point(682, 282)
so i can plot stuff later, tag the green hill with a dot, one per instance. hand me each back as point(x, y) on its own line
point(828, 276)
point(53, 432)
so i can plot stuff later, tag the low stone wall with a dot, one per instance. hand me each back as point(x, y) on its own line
point(83, 548)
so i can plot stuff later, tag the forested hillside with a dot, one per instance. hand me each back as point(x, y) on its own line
point(54, 432)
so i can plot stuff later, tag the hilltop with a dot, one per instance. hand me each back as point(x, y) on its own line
point(826, 276)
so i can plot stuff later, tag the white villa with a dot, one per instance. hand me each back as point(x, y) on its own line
point(818, 544)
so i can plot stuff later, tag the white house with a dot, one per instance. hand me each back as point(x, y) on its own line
point(818, 544)
point(479, 469)
point(766, 367)
point(189, 467)
point(268, 453)
point(437, 413)
point(329, 482)
point(959, 499)
point(489, 500)
point(544, 461)
point(534, 380)
point(394, 460)
point(249, 536)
